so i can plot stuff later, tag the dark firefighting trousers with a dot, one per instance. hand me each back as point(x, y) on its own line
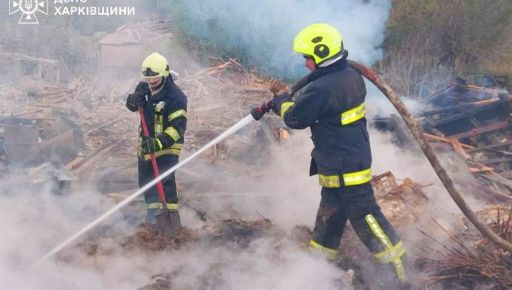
point(169, 184)
point(357, 204)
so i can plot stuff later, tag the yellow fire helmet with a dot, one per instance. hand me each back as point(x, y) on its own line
point(320, 41)
point(155, 65)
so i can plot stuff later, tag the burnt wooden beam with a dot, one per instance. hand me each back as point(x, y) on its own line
point(495, 177)
point(464, 115)
point(489, 147)
point(497, 160)
point(482, 130)
point(462, 107)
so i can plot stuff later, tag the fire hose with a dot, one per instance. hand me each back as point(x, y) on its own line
point(429, 153)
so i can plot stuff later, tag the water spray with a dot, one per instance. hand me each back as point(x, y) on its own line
point(242, 123)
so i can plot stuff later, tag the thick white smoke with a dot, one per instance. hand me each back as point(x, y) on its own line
point(263, 31)
point(36, 220)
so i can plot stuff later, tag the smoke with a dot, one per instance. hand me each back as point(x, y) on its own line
point(262, 32)
point(259, 266)
point(380, 106)
point(36, 219)
point(281, 185)
point(410, 162)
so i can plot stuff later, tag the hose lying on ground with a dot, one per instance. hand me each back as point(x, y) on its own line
point(429, 153)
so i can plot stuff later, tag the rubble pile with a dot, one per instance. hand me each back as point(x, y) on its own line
point(103, 142)
point(402, 202)
point(147, 237)
point(212, 89)
point(90, 124)
point(396, 197)
point(475, 122)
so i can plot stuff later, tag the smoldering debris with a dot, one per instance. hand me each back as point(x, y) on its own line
point(403, 201)
point(475, 123)
point(233, 235)
point(230, 236)
point(147, 238)
point(98, 144)
point(103, 145)
point(467, 260)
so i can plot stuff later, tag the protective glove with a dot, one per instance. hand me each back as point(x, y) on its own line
point(151, 145)
point(277, 101)
point(135, 100)
point(258, 112)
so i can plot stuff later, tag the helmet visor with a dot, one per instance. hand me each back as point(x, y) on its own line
point(148, 72)
point(149, 76)
point(151, 80)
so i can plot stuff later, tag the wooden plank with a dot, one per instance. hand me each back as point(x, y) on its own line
point(497, 160)
point(103, 126)
point(451, 109)
point(457, 146)
point(24, 57)
point(480, 169)
point(495, 177)
point(79, 161)
point(492, 146)
point(431, 137)
point(482, 130)
point(463, 115)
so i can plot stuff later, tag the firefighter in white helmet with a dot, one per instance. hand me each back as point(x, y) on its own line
point(165, 112)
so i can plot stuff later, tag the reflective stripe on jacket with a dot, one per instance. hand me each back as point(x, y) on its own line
point(331, 103)
point(166, 118)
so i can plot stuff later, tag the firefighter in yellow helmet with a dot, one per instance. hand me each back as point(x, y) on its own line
point(331, 102)
point(165, 113)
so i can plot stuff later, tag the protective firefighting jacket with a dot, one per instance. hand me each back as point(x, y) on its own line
point(331, 102)
point(166, 117)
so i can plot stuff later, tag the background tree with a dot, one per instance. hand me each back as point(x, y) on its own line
point(432, 39)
